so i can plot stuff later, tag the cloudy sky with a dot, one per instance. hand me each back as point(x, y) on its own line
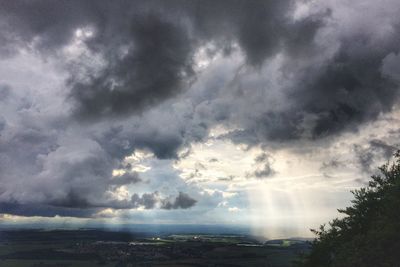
point(256, 113)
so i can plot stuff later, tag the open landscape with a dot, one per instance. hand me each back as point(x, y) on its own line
point(199, 133)
point(76, 248)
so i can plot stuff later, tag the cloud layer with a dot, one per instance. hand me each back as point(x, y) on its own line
point(89, 84)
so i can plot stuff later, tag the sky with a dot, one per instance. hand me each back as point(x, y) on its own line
point(262, 114)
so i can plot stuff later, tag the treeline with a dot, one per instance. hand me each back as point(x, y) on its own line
point(369, 233)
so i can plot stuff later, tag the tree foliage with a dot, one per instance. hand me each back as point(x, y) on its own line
point(369, 233)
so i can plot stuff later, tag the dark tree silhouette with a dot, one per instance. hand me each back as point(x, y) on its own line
point(369, 233)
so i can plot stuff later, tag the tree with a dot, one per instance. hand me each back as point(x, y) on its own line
point(369, 233)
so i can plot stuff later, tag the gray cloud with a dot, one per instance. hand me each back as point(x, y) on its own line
point(266, 171)
point(44, 210)
point(126, 178)
point(365, 158)
point(331, 166)
point(325, 99)
point(264, 168)
point(330, 89)
point(64, 174)
point(273, 79)
point(182, 201)
point(387, 149)
point(76, 205)
point(149, 57)
point(4, 91)
point(370, 156)
point(147, 50)
point(349, 89)
point(155, 65)
point(153, 200)
point(226, 179)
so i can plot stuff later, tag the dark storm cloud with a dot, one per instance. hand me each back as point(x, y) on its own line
point(153, 200)
point(79, 200)
point(148, 201)
point(65, 173)
point(136, 86)
point(148, 47)
point(44, 210)
point(155, 66)
point(147, 54)
point(323, 98)
point(121, 141)
point(182, 201)
point(66, 176)
point(73, 199)
point(75, 205)
point(350, 89)
point(345, 91)
point(258, 27)
point(248, 137)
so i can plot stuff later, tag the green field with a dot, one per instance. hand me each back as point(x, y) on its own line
point(99, 248)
